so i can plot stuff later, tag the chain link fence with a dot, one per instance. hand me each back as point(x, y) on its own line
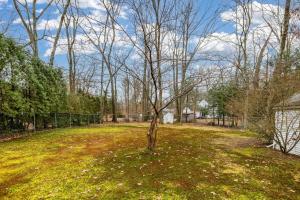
point(30, 122)
point(226, 121)
point(26, 122)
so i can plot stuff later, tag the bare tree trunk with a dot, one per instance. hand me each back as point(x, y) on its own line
point(160, 87)
point(102, 98)
point(245, 23)
point(152, 133)
point(71, 25)
point(113, 103)
point(145, 93)
point(116, 96)
point(279, 68)
point(105, 106)
point(258, 63)
point(27, 11)
point(178, 101)
point(214, 120)
point(127, 106)
point(246, 107)
point(62, 18)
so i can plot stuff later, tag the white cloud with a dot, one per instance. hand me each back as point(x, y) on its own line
point(17, 21)
point(219, 42)
point(83, 44)
point(94, 4)
point(260, 13)
point(93, 25)
point(50, 24)
point(94, 9)
point(43, 24)
point(263, 16)
point(30, 1)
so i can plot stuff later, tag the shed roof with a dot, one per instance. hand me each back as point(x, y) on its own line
point(167, 110)
point(292, 102)
point(187, 111)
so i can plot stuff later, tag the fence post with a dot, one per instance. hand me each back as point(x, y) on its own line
point(55, 120)
point(34, 122)
point(70, 120)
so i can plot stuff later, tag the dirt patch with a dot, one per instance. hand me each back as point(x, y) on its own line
point(13, 166)
point(186, 184)
point(237, 142)
point(17, 179)
point(12, 137)
point(94, 145)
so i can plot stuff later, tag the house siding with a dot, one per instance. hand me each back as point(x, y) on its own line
point(288, 122)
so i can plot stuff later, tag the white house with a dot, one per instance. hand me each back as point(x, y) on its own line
point(287, 125)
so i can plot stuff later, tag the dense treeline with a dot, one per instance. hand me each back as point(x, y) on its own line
point(28, 85)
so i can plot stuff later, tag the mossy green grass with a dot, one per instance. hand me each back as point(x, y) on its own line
point(111, 162)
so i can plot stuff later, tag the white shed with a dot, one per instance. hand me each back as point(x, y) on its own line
point(168, 118)
point(287, 125)
point(187, 115)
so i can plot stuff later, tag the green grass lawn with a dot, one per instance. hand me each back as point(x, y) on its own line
point(111, 162)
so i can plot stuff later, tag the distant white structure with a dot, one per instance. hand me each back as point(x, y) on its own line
point(168, 117)
point(198, 114)
point(187, 110)
point(204, 109)
point(203, 104)
point(187, 115)
point(287, 125)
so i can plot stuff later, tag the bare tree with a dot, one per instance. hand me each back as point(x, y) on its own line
point(188, 24)
point(6, 19)
point(71, 24)
point(151, 29)
point(102, 34)
point(243, 30)
point(146, 85)
point(277, 80)
point(30, 17)
point(258, 62)
point(127, 96)
point(65, 6)
point(283, 38)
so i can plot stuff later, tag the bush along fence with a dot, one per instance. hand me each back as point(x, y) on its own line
point(31, 122)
